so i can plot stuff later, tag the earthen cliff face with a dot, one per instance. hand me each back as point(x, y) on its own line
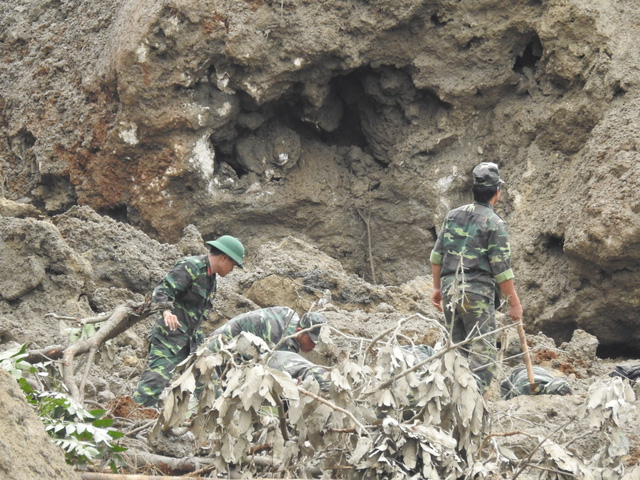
point(352, 125)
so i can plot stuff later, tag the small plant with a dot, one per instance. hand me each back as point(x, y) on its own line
point(12, 361)
point(83, 435)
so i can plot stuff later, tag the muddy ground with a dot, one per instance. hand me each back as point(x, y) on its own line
point(80, 263)
point(331, 137)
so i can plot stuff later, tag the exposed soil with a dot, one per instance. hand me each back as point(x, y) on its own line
point(331, 137)
point(84, 267)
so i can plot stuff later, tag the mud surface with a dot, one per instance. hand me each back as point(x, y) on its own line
point(331, 137)
point(350, 125)
point(92, 263)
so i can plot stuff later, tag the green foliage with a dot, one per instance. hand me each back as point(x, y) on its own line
point(12, 361)
point(84, 435)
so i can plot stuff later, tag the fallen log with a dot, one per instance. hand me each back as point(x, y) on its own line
point(123, 317)
point(115, 476)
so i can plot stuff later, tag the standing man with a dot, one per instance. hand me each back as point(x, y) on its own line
point(272, 324)
point(471, 255)
point(191, 286)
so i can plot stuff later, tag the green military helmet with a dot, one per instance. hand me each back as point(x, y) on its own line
point(230, 246)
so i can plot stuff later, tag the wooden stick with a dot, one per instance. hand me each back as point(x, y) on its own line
point(122, 318)
point(367, 222)
point(527, 358)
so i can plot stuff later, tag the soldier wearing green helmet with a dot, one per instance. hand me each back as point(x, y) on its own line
point(472, 255)
point(191, 287)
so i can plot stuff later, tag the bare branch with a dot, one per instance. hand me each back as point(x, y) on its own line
point(336, 408)
point(122, 318)
point(524, 463)
point(367, 222)
point(92, 354)
point(53, 352)
point(437, 355)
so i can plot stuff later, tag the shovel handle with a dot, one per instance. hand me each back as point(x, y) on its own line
point(525, 351)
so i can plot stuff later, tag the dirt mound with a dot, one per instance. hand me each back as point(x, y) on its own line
point(27, 450)
point(352, 126)
point(92, 263)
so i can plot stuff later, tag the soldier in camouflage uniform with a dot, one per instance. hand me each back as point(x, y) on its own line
point(517, 383)
point(470, 256)
point(300, 368)
point(191, 286)
point(272, 325)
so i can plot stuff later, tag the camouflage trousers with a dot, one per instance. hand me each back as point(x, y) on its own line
point(471, 316)
point(167, 349)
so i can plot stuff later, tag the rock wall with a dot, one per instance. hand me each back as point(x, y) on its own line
point(351, 125)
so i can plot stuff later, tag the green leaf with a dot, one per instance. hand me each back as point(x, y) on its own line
point(15, 353)
point(102, 422)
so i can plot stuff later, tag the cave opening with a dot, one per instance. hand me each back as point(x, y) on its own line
point(117, 212)
point(552, 244)
point(291, 109)
point(618, 351)
point(530, 56)
point(349, 90)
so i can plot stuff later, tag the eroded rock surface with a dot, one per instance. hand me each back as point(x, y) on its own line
point(350, 125)
point(84, 254)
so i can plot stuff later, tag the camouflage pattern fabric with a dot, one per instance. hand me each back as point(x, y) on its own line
point(191, 289)
point(478, 236)
point(474, 241)
point(421, 351)
point(630, 372)
point(300, 368)
point(517, 383)
point(474, 315)
point(271, 324)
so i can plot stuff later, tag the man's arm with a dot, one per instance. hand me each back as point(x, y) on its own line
point(509, 291)
point(176, 281)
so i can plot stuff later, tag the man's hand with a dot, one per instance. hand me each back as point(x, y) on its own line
point(436, 294)
point(515, 310)
point(436, 298)
point(170, 320)
point(515, 307)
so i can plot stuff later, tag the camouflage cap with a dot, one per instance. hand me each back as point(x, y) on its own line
point(486, 174)
point(313, 319)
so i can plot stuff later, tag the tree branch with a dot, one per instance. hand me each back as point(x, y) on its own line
point(367, 222)
point(122, 318)
point(439, 354)
point(336, 408)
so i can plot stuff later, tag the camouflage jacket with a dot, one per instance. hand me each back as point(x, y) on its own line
point(271, 324)
point(300, 368)
point(478, 236)
point(517, 383)
point(191, 288)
